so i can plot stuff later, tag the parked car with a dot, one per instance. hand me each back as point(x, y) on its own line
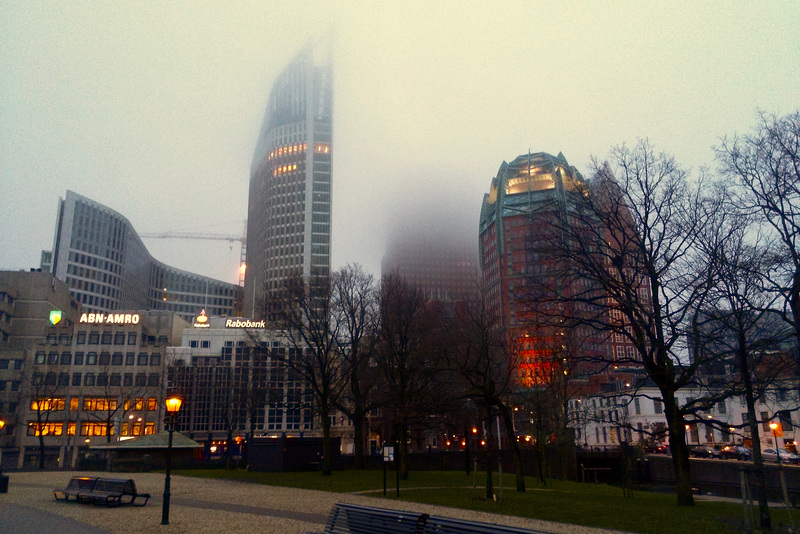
point(736, 452)
point(657, 448)
point(771, 455)
point(704, 451)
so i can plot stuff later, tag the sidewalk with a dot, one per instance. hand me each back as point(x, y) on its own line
point(203, 506)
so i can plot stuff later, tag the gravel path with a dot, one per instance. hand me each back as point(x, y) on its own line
point(203, 506)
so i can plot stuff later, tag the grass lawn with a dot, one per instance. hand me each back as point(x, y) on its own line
point(567, 502)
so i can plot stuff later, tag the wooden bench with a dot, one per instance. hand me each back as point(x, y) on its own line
point(107, 491)
point(345, 518)
point(447, 525)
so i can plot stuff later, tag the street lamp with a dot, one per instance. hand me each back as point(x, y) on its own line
point(775, 433)
point(173, 404)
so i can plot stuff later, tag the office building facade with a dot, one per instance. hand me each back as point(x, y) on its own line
point(444, 268)
point(90, 379)
point(103, 261)
point(519, 222)
point(289, 210)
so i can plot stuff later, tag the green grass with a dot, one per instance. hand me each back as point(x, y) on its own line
point(567, 502)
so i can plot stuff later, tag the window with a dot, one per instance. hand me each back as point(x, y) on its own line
point(128, 379)
point(155, 359)
point(765, 421)
point(63, 379)
point(66, 358)
point(131, 338)
point(91, 358)
point(45, 429)
point(193, 344)
point(74, 402)
point(152, 379)
point(152, 404)
point(96, 429)
point(88, 379)
point(636, 407)
point(130, 358)
point(105, 358)
point(95, 404)
point(52, 358)
point(658, 406)
point(119, 338)
point(143, 358)
point(39, 359)
point(80, 339)
point(116, 379)
point(94, 338)
point(76, 379)
point(78, 358)
point(102, 379)
point(205, 344)
point(48, 404)
point(116, 358)
point(141, 379)
point(106, 338)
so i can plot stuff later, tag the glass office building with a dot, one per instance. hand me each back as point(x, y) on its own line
point(101, 258)
point(289, 213)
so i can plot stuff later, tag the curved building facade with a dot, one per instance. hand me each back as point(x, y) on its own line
point(99, 255)
point(289, 210)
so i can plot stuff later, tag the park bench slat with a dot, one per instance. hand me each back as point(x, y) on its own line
point(447, 525)
point(346, 518)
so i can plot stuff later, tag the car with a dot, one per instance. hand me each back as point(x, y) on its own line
point(771, 455)
point(736, 452)
point(704, 451)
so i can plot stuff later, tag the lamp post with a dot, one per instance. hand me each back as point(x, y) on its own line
point(173, 404)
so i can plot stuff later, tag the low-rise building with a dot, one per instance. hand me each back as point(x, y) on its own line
point(636, 417)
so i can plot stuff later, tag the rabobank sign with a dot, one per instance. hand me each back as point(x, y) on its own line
point(244, 323)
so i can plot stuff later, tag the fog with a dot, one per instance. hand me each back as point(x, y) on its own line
point(153, 109)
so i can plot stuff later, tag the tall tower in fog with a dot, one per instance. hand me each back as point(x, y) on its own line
point(289, 211)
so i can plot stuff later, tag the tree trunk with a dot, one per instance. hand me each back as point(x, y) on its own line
point(326, 441)
point(680, 451)
point(358, 439)
point(489, 455)
point(512, 440)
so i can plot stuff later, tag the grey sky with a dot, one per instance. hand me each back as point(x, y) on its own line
point(153, 108)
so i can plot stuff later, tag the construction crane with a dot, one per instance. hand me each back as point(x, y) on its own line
point(211, 237)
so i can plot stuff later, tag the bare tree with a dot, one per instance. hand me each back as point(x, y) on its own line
point(627, 246)
point(405, 359)
point(302, 311)
point(766, 164)
point(355, 310)
point(738, 332)
point(478, 351)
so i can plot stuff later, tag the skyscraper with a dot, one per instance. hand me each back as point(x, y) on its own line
point(289, 211)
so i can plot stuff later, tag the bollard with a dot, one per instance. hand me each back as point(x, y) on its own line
point(3, 483)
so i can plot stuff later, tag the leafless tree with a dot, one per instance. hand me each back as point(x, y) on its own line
point(355, 310)
point(405, 359)
point(302, 312)
point(627, 246)
point(478, 351)
point(766, 166)
point(739, 332)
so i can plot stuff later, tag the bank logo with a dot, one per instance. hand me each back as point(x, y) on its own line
point(55, 316)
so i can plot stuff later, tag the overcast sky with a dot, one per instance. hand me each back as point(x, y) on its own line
point(153, 108)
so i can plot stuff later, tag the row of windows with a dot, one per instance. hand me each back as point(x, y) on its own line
point(93, 404)
point(92, 379)
point(10, 364)
point(107, 338)
point(90, 428)
point(92, 358)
